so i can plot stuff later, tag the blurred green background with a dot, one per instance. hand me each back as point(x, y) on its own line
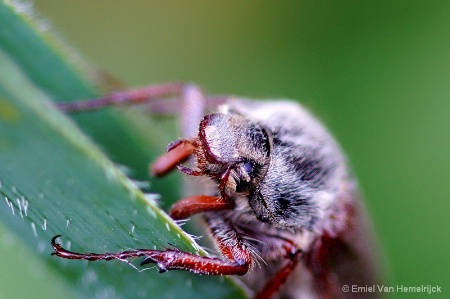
point(378, 74)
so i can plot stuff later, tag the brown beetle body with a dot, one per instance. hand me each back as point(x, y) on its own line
point(305, 194)
point(281, 204)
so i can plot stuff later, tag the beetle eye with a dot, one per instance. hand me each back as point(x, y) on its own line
point(248, 168)
point(246, 174)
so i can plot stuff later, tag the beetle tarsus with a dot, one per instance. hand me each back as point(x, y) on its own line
point(148, 260)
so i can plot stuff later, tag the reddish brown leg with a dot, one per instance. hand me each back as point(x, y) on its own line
point(273, 285)
point(237, 257)
point(237, 262)
point(134, 96)
point(176, 153)
point(197, 204)
point(157, 99)
point(272, 247)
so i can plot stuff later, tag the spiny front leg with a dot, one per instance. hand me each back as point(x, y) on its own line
point(107, 256)
point(179, 260)
point(237, 259)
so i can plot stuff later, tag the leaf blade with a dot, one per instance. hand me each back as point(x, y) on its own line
point(56, 181)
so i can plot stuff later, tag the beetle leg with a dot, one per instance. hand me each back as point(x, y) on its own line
point(272, 247)
point(158, 99)
point(274, 284)
point(155, 98)
point(179, 260)
point(176, 153)
point(199, 203)
point(107, 256)
point(237, 257)
point(133, 96)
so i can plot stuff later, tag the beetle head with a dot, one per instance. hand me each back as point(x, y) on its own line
point(231, 150)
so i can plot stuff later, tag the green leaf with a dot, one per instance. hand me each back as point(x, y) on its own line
point(55, 180)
